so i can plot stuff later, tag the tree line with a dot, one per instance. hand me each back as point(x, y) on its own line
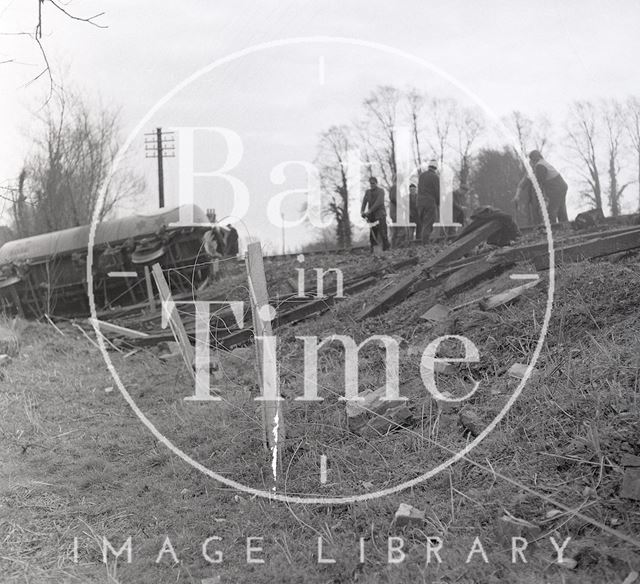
point(74, 146)
point(598, 140)
point(70, 161)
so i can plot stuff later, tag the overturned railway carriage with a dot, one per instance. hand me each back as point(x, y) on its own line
point(47, 274)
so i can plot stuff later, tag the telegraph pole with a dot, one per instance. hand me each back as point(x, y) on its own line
point(159, 145)
point(160, 169)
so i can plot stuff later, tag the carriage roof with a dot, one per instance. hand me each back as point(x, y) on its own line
point(77, 238)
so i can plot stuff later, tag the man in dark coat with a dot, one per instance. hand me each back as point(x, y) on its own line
point(231, 243)
point(428, 201)
point(413, 203)
point(373, 203)
point(553, 187)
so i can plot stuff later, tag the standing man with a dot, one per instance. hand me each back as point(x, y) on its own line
point(213, 243)
point(413, 203)
point(428, 201)
point(393, 214)
point(526, 201)
point(231, 242)
point(553, 187)
point(373, 201)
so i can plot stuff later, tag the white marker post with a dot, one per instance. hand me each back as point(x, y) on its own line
point(446, 201)
point(266, 356)
point(170, 315)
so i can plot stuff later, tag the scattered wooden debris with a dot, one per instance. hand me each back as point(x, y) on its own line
point(453, 252)
point(442, 367)
point(594, 248)
point(372, 404)
point(395, 295)
point(53, 324)
point(505, 297)
point(467, 303)
point(86, 336)
point(172, 316)
point(407, 515)
point(118, 330)
point(631, 479)
point(300, 309)
point(473, 274)
point(437, 313)
point(471, 421)
point(466, 243)
point(522, 253)
point(588, 219)
point(518, 370)
point(392, 419)
point(568, 563)
point(510, 526)
point(531, 251)
point(174, 351)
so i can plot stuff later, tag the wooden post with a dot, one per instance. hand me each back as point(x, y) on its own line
point(260, 309)
point(173, 317)
point(147, 279)
point(16, 300)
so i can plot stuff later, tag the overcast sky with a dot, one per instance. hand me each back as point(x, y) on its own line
point(531, 56)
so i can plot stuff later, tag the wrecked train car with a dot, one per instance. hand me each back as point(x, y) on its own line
point(47, 273)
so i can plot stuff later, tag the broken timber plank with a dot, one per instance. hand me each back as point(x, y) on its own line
point(265, 352)
point(471, 275)
point(453, 252)
point(465, 244)
point(173, 318)
point(594, 248)
point(528, 252)
point(395, 295)
point(118, 330)
point(304, 310)
point(437, 313)
point(506, 297)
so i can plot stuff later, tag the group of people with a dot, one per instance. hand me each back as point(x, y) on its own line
point(424, 201)
point(424, 206)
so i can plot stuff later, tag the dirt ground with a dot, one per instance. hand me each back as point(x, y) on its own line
point(79, 466)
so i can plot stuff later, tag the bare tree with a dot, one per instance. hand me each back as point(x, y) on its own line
point(612, 116)
point(468, 125)
point(381, 110)
point(36, 35)
point(531, 134)
point(332, 161)
point(583, 134)
point(632, 123)
point(442, 114)
point(74, 151)
point(415, 103)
